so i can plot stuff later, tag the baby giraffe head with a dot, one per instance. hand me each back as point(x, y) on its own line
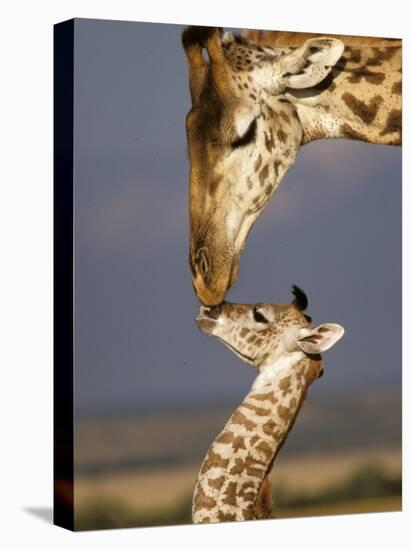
point(265, 335)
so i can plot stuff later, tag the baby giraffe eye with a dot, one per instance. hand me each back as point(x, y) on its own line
point(258, 317)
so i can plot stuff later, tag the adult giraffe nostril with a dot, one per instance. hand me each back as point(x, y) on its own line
point(203, 263)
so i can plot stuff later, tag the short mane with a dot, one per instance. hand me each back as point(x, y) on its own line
point(295, 39)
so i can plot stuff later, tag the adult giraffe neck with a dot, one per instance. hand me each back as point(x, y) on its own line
point(360, 100)
point(240, 458)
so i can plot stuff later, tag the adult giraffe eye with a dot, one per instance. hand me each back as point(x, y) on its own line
point(247, 137)
point(203, 263)
point(258, 317)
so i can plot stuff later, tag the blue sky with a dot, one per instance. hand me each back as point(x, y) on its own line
point(333, 227)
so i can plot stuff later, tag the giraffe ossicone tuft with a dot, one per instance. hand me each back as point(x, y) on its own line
point(301, 300)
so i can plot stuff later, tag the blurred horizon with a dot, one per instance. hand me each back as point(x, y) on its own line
point(342, 456)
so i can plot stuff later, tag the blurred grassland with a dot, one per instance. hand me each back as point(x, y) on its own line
point(139, 468)
point(369, 488)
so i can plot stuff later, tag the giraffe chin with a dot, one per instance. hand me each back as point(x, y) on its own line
point(208, 318)
point(206, 325)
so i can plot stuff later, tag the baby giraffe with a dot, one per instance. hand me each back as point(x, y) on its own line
point(279, 341)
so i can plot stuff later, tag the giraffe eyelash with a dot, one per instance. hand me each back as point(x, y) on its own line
point(247, 138)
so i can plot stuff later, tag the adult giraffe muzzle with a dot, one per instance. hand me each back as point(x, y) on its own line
point(253, 106)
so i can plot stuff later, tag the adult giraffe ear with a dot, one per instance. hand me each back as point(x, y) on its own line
point(314, 340)
point(308, 65)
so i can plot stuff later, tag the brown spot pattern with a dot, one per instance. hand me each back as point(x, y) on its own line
point(258, 163)
point(269, 428)
point(230, 494)
point(292, 402)
point(265, 448)
point(225, 516)
point(225, 437)
point(276, 165)
point(248, 465)
point(217, 482)
point(230, 438)
point(352, 55)
point(393, 123)
point(285, 117)
point(284, 412)
point(282, 136)
point(254, 439)
point(264, 397)
point(381, 55)
point(238, 443)
point(259, 411)
point(213, 460)
point(239, 418)
point(364, 73)
point(351, 133)
point(263, 174)
point(248, 514)
point(365, 112)
point(202, 500)
point(285, 385)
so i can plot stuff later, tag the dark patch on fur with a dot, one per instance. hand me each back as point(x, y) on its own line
point(214, 184)
point(381, 55)
point(230, 494)
point(282, 136)
point(258, 162)
point(225, 516)
point(364, 73)
point(276, 165)
point(352, 55)
point(366, 113)
point(351, 133)
point(285, 117)
point(263, 174)
point(393, 123)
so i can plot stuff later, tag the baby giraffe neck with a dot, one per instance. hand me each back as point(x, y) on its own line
point(239, 459)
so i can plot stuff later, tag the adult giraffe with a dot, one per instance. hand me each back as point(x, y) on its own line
point(256, 99)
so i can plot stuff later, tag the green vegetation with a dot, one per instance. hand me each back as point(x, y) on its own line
point(369, 483)
point(112, 514)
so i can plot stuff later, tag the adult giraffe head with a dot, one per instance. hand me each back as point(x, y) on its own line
point(243, 134)
point(253, 106)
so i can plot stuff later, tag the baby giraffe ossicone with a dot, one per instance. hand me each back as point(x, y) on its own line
point(280, 342)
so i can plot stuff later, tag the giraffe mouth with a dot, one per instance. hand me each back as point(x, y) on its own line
point(207, 319)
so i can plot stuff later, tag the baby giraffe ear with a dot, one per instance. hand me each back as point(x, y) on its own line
point(311, 63)
point(318, 339)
